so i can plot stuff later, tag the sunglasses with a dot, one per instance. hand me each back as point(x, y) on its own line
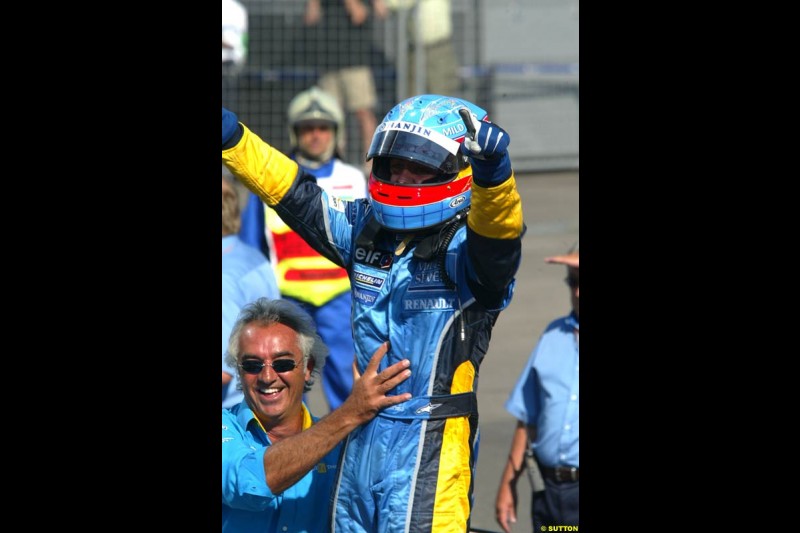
point(280, 366)
point(572, 282)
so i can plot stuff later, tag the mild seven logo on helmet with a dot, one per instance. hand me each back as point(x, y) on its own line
point(442, 140)
point(455, 130)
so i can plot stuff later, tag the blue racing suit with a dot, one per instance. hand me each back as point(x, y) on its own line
point(411, 468)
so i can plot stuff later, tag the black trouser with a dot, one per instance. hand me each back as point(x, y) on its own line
point(557, 505)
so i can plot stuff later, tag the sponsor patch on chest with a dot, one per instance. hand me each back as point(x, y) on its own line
point(427, 275)
point(374, 258)
point(427, 290)
point(367, 283)
point(369, 280)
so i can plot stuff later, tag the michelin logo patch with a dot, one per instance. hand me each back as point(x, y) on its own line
point(367, 280)
point(367, 283)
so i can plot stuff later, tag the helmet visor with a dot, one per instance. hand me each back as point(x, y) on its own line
point(438, 153)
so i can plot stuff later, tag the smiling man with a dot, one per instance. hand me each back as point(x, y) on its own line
point(278, 461)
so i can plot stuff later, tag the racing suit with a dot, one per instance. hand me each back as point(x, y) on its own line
point(411, 468)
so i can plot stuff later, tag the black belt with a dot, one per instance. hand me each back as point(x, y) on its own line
point(433, 407)
point(560, 474)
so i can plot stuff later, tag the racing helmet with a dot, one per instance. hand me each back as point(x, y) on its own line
point(425, 129)
point(315, 105)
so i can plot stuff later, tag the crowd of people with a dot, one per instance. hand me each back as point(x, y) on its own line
point(384, 277)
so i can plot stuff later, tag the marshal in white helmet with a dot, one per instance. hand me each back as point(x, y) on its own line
point(315, 106)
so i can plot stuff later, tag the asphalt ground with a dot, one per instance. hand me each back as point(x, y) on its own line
point(550, 209)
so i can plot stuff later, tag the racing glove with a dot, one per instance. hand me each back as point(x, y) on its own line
point(230, 125)
point(486, 145)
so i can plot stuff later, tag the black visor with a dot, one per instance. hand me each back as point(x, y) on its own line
point(405, 145)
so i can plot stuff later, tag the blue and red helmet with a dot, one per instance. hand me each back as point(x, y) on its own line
point(426, 129)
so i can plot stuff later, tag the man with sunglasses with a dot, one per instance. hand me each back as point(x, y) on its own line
point(278, 461)
point(545, 403)
point(431, 253)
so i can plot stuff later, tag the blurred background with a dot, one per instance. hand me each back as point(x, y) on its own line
point(518, 59)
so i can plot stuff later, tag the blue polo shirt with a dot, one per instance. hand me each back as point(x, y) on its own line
point(248, 505)
point(546, 394)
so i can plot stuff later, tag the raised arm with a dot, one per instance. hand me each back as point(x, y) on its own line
point(495, 219)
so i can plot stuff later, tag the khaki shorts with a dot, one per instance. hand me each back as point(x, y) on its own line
point(354, 87)
point(441, 70)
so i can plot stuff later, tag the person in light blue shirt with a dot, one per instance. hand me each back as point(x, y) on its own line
point(246, 275)
point(279, 462)
point(545, 403)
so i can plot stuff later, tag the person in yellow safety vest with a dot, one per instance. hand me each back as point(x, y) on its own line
point(316, 124)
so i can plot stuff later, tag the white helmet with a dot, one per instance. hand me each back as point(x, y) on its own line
point(315, 105)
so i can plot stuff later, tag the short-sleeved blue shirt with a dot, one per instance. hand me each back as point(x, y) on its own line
point(248, 505)
point(546, 394)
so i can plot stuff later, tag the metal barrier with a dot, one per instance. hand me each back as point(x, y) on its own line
point(533, 97)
